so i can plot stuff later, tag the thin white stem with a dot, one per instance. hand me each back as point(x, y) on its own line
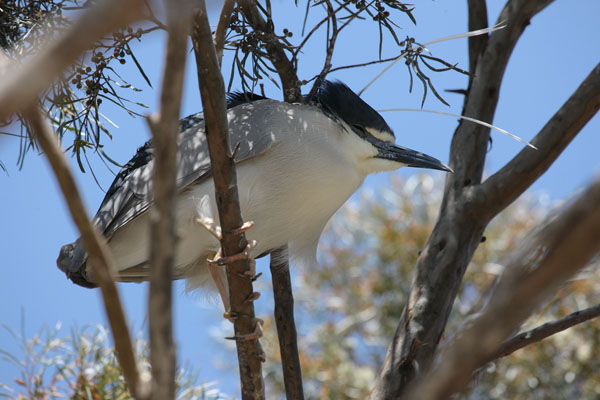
point(466, 119)
point(424, 46)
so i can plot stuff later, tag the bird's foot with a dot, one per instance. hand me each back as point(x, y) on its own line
point(215, 230)
point(221, 260)
point(231, 316)
point(256, 334)
point(210, 225)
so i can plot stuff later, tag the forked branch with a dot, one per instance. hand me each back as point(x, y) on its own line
point(558, 250)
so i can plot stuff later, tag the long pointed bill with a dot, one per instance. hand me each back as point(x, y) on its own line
point(408, 157)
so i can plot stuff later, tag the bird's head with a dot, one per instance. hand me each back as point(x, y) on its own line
point(369, 131)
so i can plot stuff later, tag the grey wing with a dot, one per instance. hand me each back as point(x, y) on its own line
point(129, 197)
point(130, 194)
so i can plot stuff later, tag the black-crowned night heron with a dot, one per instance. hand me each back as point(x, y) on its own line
point(296, 165)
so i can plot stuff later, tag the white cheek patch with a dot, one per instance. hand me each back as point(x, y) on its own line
point(381, 135)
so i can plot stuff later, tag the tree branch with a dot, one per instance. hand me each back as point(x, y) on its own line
point(99, 258)
point(165, 128)
point(559, 249)
point(502, 188)
point(544, 331)
point(478, 19)
point(286, 327)
point(22, 82)
point(285, 68)
point(222, 26)
point(212, 91)
point(458, 231)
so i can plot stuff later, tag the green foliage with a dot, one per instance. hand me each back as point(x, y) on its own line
point(351, 303)
point(81, 365)
point(73, 104)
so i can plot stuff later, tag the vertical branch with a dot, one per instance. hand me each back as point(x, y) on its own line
point(286, 327)
point(478, 19)
point(233, 242)
point(98, 255)
point(165, 127)
point(222, 26)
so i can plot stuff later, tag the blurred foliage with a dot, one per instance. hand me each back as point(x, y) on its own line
point(81, 365)
point(349, 305)
point(76, 102)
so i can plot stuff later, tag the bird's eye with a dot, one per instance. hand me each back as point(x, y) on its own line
point(360, 130)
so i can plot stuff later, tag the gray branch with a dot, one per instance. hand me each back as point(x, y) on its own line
point(222, 26)
point(99, 258)
point(559, 250)
point(458, 231)
point(502, 188)
point(542, 332)
point(165, 127)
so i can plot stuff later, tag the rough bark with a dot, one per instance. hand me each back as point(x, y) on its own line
point(241, 293)
point(558, 250)
point(458, 231)
point(165, 128)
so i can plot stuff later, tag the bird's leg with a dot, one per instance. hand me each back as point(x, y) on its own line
point(219, 274)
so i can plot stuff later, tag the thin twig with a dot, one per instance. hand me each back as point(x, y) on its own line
point(544, 331)
point(233, 240)
point(285, 68)
point(99, 258)
point(329, 50)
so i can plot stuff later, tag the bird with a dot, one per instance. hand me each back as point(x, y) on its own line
point(297, 163)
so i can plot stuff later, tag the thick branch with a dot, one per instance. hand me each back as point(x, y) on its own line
point(285, 68)
point(514, 178)
point(240, 286)
point(22, 82)
point(478, 19)
point(165, 129)
point(286, 327)
point(558, 250)
point(99, 258)
point(544, 331)
point(443, 261)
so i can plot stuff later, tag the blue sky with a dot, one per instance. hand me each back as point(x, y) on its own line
point(555, 53)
